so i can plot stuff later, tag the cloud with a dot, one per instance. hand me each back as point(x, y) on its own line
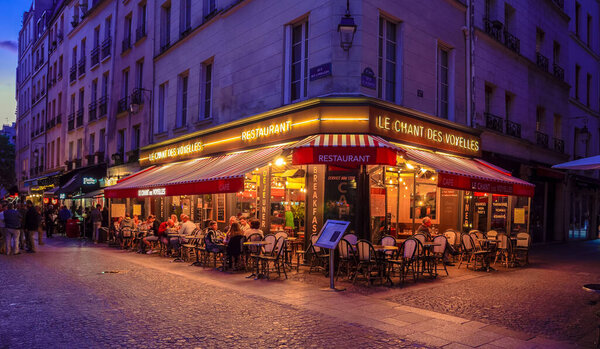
point(9, 45)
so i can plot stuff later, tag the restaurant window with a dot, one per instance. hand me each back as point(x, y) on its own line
point(182, 100)
point(204, 208)
point(387, 60)
point(499, 213)
point(162, 94)
point(444, 109)
point(297, 76)
point(287, 197)
point(206, 90)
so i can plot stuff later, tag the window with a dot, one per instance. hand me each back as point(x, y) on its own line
point(209, 8)
point(142, 12)
point(539, 39)
point(206, 106)
point(577, 18)
point(165, 26)
point(509, 18)
point(577, 71)
point(589, 31)
point(508, 104)
point(79, 148)
point(298, 58)
point(92, 148)
point(102, 140)
point(105, 84)
point(182, 99)
point(139, 74)
point(588, 88)
point(60, 65)
point(135, 137)
point(74, 61)
point(121, 141)
point(83, 48)
point(386, 62)
point(71, 150)
point(557, 126)
point(125, 83)
point(107, 24)
point(556, 53)
point(94, 90)
point(185, 16)
point(539, 119)
point(162, 94)
point(96, 36)
point(443, 83)
point(127, 32)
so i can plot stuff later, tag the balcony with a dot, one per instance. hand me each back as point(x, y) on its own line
point(185, 33)
point(133, 155)
point(102, 109)
point(75, 21)
point(122, 105)
point(137, 96)
point(558, 72)
point(140, 33)
point(106, 47)
point(59, 76)
point(92, 111)
point(559, 145)
point(95, 56)
point(494, 122)
point(82, 66)
point(126, 45)
point(73, 73)
point(541, 139)
point(118, 157)
point(90, 159)
point(80, 117)
point(71, 123)
point(512, 42)
point(77, 163)
point(58, 119)
point(541, 61)
point(100, 157)
point(513, 129)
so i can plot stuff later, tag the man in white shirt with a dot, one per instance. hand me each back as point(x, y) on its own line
point(188, 227)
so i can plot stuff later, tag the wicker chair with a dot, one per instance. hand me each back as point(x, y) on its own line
point(275, 258)
point(367, 262)
point(347, 260)
point(406, 260)
point(521, 251)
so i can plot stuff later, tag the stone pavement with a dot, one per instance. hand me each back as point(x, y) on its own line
point(59, 298)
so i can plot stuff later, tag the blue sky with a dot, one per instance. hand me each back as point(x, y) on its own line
point(11, 15)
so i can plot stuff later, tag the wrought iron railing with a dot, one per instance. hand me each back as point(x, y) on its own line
point(95, 56)
point(512, 42)
point(559, 145)
point(122, 105)
point(541, 61)
point(106, 47)
point(494, 122)
point(558, 72)
point(541, 139)
point(513, 129)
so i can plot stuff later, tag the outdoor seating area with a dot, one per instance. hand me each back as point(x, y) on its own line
point(391, 261)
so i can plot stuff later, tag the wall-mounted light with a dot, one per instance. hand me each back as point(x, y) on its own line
point(347, 28)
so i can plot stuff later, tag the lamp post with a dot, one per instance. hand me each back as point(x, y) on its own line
point(347, 28)
point(151, 121)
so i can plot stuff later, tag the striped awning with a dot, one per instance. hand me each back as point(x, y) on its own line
point(345, 150)
point(470, 174)
point(222, 174)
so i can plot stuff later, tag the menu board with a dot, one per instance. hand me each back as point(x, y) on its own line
point(449, 206)
point(221, 208)
point(331, 233)
point(137, 210)
point(117, 210)
point(519, 216)
point(499, 211)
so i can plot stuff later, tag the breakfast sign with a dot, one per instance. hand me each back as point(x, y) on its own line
point(408, 129)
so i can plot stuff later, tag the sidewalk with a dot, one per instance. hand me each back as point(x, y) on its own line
point(430, 328)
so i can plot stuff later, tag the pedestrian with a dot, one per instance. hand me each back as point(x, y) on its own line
point(12, 221)
point(22, 213)
point(40, 230)
point(49, 217)
point(63, 216)
point(105, 217)
point(96, 222)
point(32, 224)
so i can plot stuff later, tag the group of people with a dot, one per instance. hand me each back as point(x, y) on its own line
point(19, 224)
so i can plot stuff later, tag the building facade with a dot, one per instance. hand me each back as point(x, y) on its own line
point(146, 75)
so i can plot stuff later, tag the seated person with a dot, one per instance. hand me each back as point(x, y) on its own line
point(210, 240)
point(254, 229)
point(152, 234)
point(234, 230)
point(244, 223)
point(425, 228)
point(186, 228)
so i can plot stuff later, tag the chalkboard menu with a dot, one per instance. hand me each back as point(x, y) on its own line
point(221, 208)
point(499, 211)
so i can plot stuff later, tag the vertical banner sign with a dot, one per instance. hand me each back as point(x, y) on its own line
point(264, 199)
point(315, 186)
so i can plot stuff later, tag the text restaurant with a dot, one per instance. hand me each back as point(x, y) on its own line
point(381, 167)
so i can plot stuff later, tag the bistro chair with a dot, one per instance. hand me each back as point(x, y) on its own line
point(126, 238)
point(492, 234)
point(269, 248)
point(477, 233)
point(388, 240)
point(504, 250)
point(406, 259)
point(276, 259)
point(367, 261)
point(522, 249)
point(252, 250)
point(190, 246)
point(475, 239)
point(351, 238)
point(469, 252)
point(281, 234)
point(453, 240)
point(347, 260)
point(319, 258)
point(438, 252)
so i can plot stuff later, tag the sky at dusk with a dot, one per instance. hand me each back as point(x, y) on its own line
point(11, 14)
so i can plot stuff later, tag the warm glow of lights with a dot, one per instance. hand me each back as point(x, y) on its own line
point(409, 166)
point(279, 161)
point(305, 122)
point(344, 119)
point(223, 141)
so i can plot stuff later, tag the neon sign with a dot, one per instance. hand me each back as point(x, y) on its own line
point(152, 192)
point(267, 131)
point(89, 181)
point(173, 152)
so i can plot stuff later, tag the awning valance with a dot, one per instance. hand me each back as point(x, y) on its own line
point(470, 174)
point(344, 150)
point(222, 174)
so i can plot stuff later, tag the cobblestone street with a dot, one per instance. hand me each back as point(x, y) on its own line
point(59, 298)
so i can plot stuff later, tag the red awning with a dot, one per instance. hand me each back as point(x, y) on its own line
point(223, 174)
point(344, 150)
point(470, 174)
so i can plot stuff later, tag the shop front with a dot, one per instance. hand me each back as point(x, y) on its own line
point(81, 187)
point(37, 187)
point(381, 167)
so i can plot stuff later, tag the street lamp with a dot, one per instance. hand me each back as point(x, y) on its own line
point(347, 28)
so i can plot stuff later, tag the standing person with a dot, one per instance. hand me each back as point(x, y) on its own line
point(12, 220)
point(49, 218)
point(32, 224)
point(96, 222)
point(40, 232)
point(63, 216)
point(22, 213)
point(105, 216)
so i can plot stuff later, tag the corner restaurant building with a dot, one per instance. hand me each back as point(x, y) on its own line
point(380, 166)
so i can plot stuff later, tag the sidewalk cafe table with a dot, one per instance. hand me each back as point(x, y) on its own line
point(179, 237)
point(428, 249)
point(384, 270)
point(487, 242)
point(257, 274)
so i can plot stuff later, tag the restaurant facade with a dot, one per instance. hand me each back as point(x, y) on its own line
point(378, 165)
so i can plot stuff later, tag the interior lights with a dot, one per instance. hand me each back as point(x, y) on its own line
point(279, 162)
point(409, 166)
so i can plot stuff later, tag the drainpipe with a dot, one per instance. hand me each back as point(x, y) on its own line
point(470, 48)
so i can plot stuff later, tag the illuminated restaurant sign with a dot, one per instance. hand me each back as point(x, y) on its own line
point(89, 181)
point(417, 131)
point(175, 152)
point(266, 131)
point(152, 192)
